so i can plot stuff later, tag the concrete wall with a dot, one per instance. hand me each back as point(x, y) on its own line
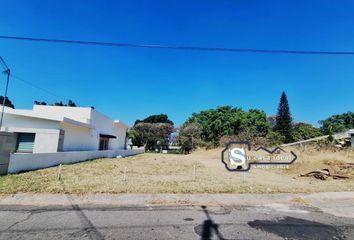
point(6, 146)
point(26, 162)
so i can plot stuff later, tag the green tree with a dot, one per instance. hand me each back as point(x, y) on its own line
point(161, 118)
point(189, 137)
point(137, 139)
point(153, 132)
point(284, 119)
point(338, 123)
point(228, 121)
point(256, 121)
point(303, 131)
point(152, 135)
point(8, 102)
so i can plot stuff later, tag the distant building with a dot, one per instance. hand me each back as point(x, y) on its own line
point(351, 134)
point(48, 129)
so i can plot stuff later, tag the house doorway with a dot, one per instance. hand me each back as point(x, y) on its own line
point(103, 144)
point(104, 141)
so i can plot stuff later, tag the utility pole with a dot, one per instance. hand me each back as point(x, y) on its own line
point(7, 72)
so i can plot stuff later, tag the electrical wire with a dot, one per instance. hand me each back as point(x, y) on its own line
point(3, 64)
point(38, 87)
point(174, 47)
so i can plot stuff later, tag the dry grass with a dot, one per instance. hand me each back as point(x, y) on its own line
point(158, 173)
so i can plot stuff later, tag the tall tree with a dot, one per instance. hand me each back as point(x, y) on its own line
point(151, 135)
point(283, 119)
point(8, 102)
point(153, 132)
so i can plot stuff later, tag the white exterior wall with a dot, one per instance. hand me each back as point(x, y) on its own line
point(119, 143)
point(83, 139)
point(46, 141)
point(26, 162)
point(105, 125)
point(78, 138)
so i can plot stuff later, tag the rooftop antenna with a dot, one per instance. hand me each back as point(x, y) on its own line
point(7, 72)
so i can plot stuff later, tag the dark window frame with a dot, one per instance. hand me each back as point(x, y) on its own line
point(18, 142)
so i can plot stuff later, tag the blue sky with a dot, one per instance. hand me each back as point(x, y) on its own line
point(130, 84)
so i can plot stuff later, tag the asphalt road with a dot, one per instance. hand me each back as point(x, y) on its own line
point(277, 221)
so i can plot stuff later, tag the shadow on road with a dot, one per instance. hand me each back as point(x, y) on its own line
point(296, 228)
point(89, 229)
point(208, 228)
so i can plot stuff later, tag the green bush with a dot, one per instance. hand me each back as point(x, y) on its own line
point(275, 138)
point(303, 131)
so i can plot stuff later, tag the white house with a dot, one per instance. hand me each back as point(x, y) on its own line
point(50, 129)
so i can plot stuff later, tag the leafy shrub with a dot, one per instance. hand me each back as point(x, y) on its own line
point(275, 138)
point(303, 131)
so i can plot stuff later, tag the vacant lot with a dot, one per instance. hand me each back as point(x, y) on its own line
point(162, 173)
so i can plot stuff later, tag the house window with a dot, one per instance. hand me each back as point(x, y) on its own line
point(25, 142)
point(103, 144)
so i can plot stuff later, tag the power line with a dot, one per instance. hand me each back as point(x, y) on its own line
point(174, 47)
point(3, 64)
point(38, 87)
point(7, 71)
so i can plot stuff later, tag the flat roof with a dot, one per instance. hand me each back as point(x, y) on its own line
point(30, 114)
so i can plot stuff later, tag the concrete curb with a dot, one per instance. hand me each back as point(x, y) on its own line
point(325, 198)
